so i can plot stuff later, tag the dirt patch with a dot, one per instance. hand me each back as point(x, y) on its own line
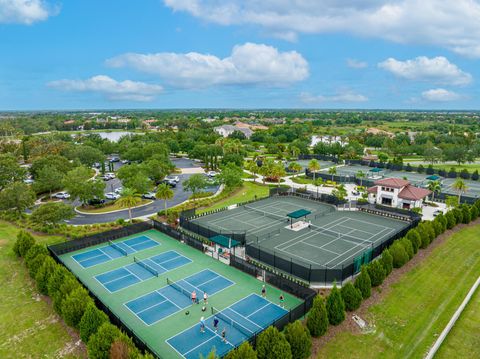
point(379, 293)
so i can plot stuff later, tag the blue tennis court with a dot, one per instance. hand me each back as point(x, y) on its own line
point(114, 250)
point(241, 321)
point(141, 270)
point(159, 304)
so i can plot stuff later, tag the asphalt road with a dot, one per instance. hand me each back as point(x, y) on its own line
point(180, 196)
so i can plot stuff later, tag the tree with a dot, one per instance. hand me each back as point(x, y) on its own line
point(313, 166)
point(78, 183)
point(88, 155)
point(271, 344)
point(10, 170)
point(387, 261)
point(332, 171)
point(74, 305)
point(335, 306)
point(128, 198)
point(100, 342)
point(376, 272)
point(295, 167)
point(363, 283)
point(408, 247)
point(231, 175)
point(317, 320)
point(460, 187)
point(33, 252)
point(244, 351)
point(451, 220)
point(414, 237)
point(60, 163)
point(451, 202)
point(299, 339)
point(253, 168)
point(55, 281)
point(352, 297)
point(69, 284)
point(164, 192)
point(361, 176)
point(400, 256)
point(44, 273)
point(23, 243)
point(467, 216)
point(194, 184)
point(435, 187)
point(52, 213)
point(91, 320)
point(48, 179)
point(17, 197)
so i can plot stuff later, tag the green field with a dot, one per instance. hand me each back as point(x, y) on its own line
point(463, 341)
point(29, 328)
point(471, 167)
point(417, 308)
point(156, 333)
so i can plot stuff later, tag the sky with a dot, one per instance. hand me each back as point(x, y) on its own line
point(325, 54)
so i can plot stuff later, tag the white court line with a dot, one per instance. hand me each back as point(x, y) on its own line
point(256, 311)
point(206, 341)
point(246, 317)
point(323, 249)
point(154, 305)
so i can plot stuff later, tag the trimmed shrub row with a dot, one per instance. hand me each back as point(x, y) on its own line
point(73, 303)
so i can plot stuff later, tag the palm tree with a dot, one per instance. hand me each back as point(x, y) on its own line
point(332, 171)
point(164, 192)
point(435, 187)
point(128, 198)
point(459, 186)
point(295, 167)
point(253, 168)
point(361, 175)
point(313, 166)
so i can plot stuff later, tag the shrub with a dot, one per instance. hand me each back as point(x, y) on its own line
point(100, 343)
point(352, 297)
point(271, 344)
point(400, 256)
point(443, 221)
point(475, 175)
point(34, 251)
point(317, 320)
point(56, 280)
point(23, 243)
point(376, 273)
point(74, 305)
point(299, 339)
point(466, 215)
point(69, 284)
point(474, 212)
point(91, 320)
point(244, 351)
point(335, 306)
point(414, 237)
point(44, 273)
point(35, 264)
point(457, 212)
point(408, 247)
point(451, 220)
point(437, 227)
point(387, 261)
point(363, 283)
point(123, 347)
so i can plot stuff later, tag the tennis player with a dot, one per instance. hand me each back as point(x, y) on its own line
point(282, 300)
point(202, 325)
point(215, 323)
point(205, 298)
point(224, 335)
point(264, 291)
point(194, 297)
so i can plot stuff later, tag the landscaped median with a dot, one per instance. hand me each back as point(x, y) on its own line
point(109, 208)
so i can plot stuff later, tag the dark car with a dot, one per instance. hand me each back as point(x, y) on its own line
point(170, 183)
point(96, 202)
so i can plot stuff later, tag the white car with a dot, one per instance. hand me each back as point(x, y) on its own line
point(61, 195)
point(173, 178)
point(118, 190)
point(110, 174)
point(28, 181)
point(112, 195)
point(212, 173)
point(149, 195)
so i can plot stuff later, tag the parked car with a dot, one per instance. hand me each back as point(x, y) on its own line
point(356, 193)
point(61, 195)
point(118, 190)
point(149, 195)
point(115, 159)
point(110, 174)
point(112, 195)
point(28, 181)
point(96, 202)
point(97, 165)
point(173, 178)
point(126, 162)
point(170, 183)
point(212, 173)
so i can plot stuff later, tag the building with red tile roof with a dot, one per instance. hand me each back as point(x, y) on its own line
point(398, 193)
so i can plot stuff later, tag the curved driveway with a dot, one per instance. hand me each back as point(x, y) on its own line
point(180, 196)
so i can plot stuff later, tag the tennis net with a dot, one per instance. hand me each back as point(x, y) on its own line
point(146, 266)
point(342, 236)
point(179, 288)
point(245, 331)
point(266, 214)
point(118, 248)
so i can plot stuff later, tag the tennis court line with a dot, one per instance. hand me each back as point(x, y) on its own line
point(247, 317)
point(100, 249)
point(314, 246)
point(206, 341)
point(152, 306)
point(256, 311)
point(131, 273)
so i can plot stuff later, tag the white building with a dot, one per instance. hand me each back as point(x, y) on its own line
point(398, 193)
point(227, 130)
point(327, 139)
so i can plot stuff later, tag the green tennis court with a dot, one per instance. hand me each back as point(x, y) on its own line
point(151, 295)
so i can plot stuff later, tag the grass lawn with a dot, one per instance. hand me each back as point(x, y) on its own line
point(471, 167)
point(463, 341)
point(417, 308)
point(246, 193)
point(112, 206)
point(29, 328)
point(302, 179)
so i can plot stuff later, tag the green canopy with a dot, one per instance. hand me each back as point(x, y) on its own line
point(299, 213)
point(376, 170)
point(225, 241)
point(433, 178)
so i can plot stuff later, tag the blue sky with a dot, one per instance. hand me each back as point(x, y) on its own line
point(374, 54)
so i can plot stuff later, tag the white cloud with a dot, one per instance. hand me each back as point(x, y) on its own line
point(356, 64)
point(346, 96)
point(437, 70)
point(25, 11)
point(440, 95)
point(114, 90)
point(251, 64)
point(445, 23)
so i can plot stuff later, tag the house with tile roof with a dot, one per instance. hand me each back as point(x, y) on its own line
point(398, 193)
